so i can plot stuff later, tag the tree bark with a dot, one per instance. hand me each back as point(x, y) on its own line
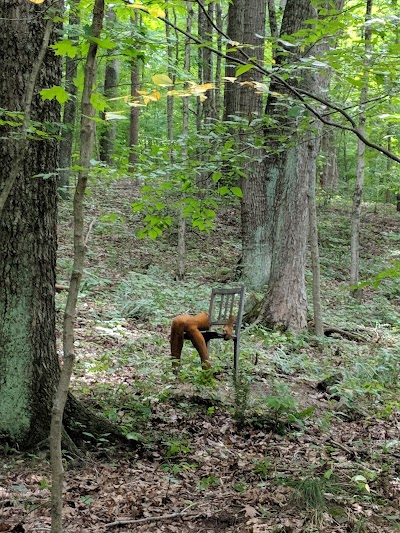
point(87, 135)
point(285, 302)
point(28, 361)
point(181, 249)
point(134, 111)
point(111, 81)
point(246, 24)
point(359, 185)
point(235, 33)
point(70, 106)
point(330, 172)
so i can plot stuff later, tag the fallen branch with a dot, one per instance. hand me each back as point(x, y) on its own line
point(122, 522)
point(329, 330)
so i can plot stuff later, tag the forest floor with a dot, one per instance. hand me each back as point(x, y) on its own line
point(307, 440)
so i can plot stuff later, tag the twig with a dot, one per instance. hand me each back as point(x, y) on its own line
point(343, 447)
point(89, 231)
point(181, 514)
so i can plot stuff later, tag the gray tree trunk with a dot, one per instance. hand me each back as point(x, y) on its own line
point(70, 106)
point(134, 111)
point(330, 172)
point(285, 302)
point(181, 249)
point(359, 185)
point(111, 81)
point(29, 367)
point(235, 33)
point(246, 24)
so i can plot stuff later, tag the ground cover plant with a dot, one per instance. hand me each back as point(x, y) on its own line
point(307, 439)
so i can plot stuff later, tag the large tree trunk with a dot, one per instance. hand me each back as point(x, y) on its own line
point(287, 168)
point(246, 24)
point(28, 361)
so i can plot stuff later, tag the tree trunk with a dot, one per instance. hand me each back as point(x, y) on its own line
point(235, 33)
point(181, 249)
point(28, 362)
point(313, 239)
point(111, 81)
point(285, 303)
point(87, 135)
point(70, 106)
point(134, 111)
point(246, 24)
point(171, 74)
point(218, 61)
point(330, 173)
point(208, 77)
point(358, 189)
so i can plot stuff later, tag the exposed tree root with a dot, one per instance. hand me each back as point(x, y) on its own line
point(79, 419)
point(330, 330)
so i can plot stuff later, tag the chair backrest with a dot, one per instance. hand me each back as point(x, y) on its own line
point(225, 302)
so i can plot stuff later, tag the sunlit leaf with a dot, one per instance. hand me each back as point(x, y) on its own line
point(262, 87)
point(242, 69)
point(229, 78)
point(162, 80)
point(156, 11)
point(138, 6)
point(66, 47)
point(36, 1)
point(57, 92)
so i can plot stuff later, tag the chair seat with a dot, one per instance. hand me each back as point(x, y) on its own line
point(208, 335)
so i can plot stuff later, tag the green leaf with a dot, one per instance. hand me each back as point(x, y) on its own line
point(65, 47)
point(98, 101)
point(216, 176)
point(243, 69)
point(57, 92)
point(106, 44)
point(223, 190)
point(237, 191)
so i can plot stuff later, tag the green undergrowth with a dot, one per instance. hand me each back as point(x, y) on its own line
point(313, 399)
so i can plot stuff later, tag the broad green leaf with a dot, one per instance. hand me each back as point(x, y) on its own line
point(242, 69)
point(237, 191)
point(223, 190)
point(98, 101)
point(57, 92)
point(65, 47)
point(106, 44)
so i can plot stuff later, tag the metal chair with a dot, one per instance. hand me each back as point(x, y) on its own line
point(223, 304)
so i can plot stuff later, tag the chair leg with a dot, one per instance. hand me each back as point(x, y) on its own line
point(235, 359)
